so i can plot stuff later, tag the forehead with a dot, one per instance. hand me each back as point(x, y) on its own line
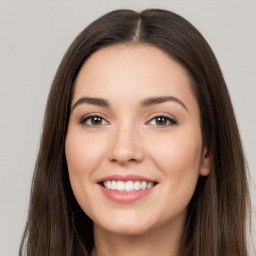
point(130, 70)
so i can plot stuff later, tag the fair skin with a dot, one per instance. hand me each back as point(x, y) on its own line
point(131, 134)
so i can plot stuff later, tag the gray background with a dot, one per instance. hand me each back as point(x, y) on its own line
point(34, 35)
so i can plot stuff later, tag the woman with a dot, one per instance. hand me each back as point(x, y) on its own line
point(140, 152)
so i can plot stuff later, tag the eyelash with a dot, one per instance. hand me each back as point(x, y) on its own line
point(89, 117)
point(171, 121)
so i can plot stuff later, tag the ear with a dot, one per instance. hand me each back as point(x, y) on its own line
point(205, 163)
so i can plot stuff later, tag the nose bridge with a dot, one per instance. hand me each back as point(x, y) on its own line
point(126, 144)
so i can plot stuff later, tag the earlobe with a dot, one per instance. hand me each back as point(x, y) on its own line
point(205, 163)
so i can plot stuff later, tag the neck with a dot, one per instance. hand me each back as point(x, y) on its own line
point(164, 242)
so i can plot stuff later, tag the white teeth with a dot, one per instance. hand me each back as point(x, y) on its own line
point(128, 185)
point(143, 185)
point(108, 184)
point(150, 185)
point(120, 185)
point(113, 185)
point(136, 185)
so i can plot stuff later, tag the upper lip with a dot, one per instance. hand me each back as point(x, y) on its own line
point(129, 177)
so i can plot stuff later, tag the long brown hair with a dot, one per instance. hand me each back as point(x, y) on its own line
point(216, 220)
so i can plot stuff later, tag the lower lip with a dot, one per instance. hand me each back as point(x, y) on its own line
point(125, 197)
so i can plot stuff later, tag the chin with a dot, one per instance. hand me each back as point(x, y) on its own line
point(126, 225)
point(127, 230)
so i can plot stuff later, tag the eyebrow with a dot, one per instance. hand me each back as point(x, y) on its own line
point(145, 103)
point(158, 100)
point(94, 101)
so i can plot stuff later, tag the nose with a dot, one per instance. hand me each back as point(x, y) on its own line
point(126, 146)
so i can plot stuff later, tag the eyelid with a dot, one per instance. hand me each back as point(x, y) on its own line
point(87, 116)
point(173, 121)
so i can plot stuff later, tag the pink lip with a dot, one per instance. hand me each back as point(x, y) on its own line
point(125, 197)
point(131, 177)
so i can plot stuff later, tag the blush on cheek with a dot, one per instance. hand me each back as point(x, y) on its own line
point(179, 162)
point(82, 155)
point(173, 157)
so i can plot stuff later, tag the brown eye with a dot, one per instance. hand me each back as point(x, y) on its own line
point(96, 120)
point(93, 121)
point(162, 121)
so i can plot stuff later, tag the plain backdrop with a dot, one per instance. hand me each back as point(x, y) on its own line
point(34, 36)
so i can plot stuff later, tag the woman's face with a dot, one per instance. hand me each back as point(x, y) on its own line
point(134, 145)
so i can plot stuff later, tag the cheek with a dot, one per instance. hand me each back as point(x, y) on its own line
point(177, 153)
point(83, 154)
point(178, 158)
point(83, 157)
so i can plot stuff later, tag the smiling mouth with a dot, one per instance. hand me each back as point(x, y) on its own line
point(127, 186)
